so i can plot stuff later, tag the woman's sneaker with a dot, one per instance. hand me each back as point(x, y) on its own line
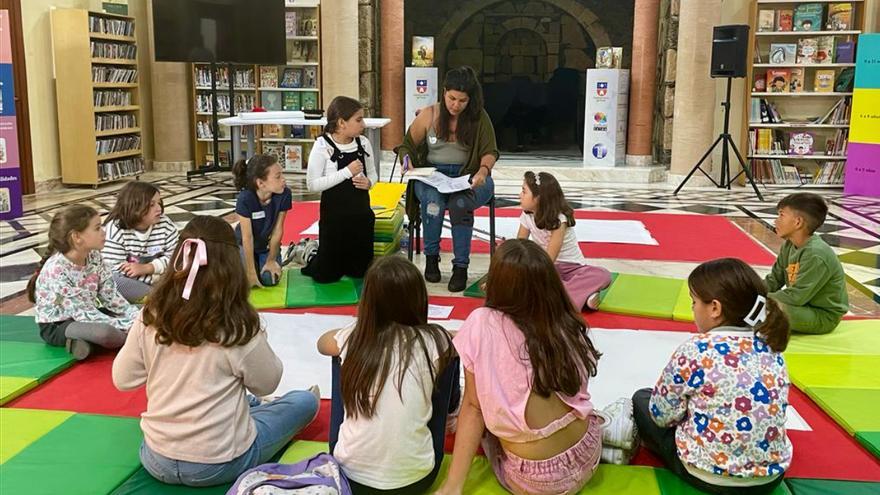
point(620, 429)
point(300, 253)
point(80, 349)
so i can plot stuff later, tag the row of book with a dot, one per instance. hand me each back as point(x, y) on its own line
point(290, 77)
point(297, 24)
point(120, 168)
point(765, 111)
point(811, 51)
point(807, 17)
point(765, 141)
point(292, 157)
point(243, 103)
point(774, 172)
point(105, 146)
point(106, 74)
point(205, 130)
point(110, 121)
point(111, 98)
point(277, 131)
point(289, 100)
point(793, 81)
point(103, 49)
point(830, 173)
point(103, 25)
point(244, 78)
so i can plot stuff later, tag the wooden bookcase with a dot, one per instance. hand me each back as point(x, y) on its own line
point(98, 98)
point(798, 110)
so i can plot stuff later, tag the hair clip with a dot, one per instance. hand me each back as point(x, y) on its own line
point(537, 180)
point(199, 259)
point(758, 313)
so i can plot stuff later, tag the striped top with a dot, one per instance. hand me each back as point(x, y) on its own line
point(155, 245)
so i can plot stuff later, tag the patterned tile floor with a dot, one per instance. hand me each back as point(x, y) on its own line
point(852, 228)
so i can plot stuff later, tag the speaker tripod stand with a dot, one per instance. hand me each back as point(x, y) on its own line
point(724, 140)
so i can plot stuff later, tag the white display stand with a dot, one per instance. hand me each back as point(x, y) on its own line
point(421, 90)
point(607, 97)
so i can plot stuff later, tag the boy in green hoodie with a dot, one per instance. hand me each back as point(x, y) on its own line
point(807, 278)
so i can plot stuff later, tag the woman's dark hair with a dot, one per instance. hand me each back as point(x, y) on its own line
point(551, 201)
point(132, 203)
point(736, 286)
point(392, 319)
point(218, 310)
point(524, 285)
point(342, 107)
point(246, 172)
point(72, 219)
point(462, 79)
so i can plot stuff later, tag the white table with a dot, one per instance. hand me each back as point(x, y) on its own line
point(236, 123)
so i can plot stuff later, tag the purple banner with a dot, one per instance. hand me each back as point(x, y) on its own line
point(10, 173)
point(862, 169)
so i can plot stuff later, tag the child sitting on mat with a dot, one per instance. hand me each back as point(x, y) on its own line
point(199, 348)
point(76, 301)
point(263, 202)
point(807, 278)
point(339, 170)
point(716, 416)
point(140, 239)
point(527, 360)
point(549, 220)
point(398, 379)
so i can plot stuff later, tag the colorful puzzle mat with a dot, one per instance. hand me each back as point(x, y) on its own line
point(296, 290)
point(25, 360)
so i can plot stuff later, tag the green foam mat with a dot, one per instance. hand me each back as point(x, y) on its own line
point(142, 483)
point(19, 329)
point(642, 295)
point(870, 440)
point(833, 370)
point(303, 292)
point(474, 290)
point(682, 310)
point(850, 337)
point(26, 359)
point(670, 484)
point(604, 292)
point(87, 454)
point(22, 427)
point(13, 386)
point(855, 409)
point(828, 487)
point(271, 297)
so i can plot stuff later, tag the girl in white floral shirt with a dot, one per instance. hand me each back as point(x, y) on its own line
point(716, 416)
point(76, 301)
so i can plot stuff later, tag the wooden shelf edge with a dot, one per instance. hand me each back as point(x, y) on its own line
point(120, 154)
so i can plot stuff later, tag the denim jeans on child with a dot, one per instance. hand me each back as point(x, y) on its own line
point(259, 260)
point(276, 422)
point(461, 206)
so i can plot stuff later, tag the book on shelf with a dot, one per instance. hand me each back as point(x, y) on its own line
point(766, 20)
point(310, 77)
point(825, 50)
point(784, 20)
point(308, 26)
point(293, 158)
point(309, 100)
point(830, 173)
point(274, 149)
point(845, 52)
point(298, 131)
point(760, 83)
point(801, 143)
point(837, 114)
point(120, 168)
point(783, 53)
point(778, 80)
point(807, 50)
point(268, 77)
point(273, 131)
point(840, 16)
point(808, 17)
point(291, 101)
point(271, 100)
point(755, 110)
point(290, 24)
point(291, 78)
point(796, 84)
point(290, 3)
point(302, 51)
point(824, 81)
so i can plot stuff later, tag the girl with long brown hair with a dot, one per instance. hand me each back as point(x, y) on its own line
point(716, 416)
point(527, 359)
point(199, 348)
point(397, 381)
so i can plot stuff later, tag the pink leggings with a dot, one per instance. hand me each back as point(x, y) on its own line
point(564, 473)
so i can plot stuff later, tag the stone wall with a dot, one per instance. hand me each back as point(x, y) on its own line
point(667, 46)
point(368, 55)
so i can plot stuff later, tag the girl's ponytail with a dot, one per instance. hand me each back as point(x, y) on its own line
point(239, 174)
point(775, 330)
point(32, 283)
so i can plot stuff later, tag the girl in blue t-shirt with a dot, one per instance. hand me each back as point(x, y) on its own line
point(261, 207)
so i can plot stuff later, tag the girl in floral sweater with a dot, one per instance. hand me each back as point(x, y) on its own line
point(716, 416)
point(76, 301)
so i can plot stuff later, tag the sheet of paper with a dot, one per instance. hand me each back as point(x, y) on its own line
point(443, 183)
point(437, 312)
point(587, 230)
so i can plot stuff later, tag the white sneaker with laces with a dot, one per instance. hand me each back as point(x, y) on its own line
point(620, 431)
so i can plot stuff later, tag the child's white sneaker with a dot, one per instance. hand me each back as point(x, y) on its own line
point(611, 455)
point(620, 431)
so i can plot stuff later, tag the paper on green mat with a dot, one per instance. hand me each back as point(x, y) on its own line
point(271, 297)
point(855, 409)
point(670, 484)
point(31, 360)
point(850, 337)
point(871, 441)
point(799, 486)
point(303, 292)
point(19, 329)
point(13, 386)
point(142, 483)
point(604, 292)
point(833, 370)
point(22, 427)
point(682, 310)
point(642, 295)
point(87, 454)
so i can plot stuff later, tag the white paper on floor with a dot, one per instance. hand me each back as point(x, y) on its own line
point(436, 311)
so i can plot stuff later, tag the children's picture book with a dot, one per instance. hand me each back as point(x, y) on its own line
point(784, 19)
point(766, 20)
point(292, 157)
point(274, 149)
point(808, 17)
point(845, 52)
point(423, 51)
point(310, 77)
point(808, 49)
point(783, 53)
point(292, 78)
point(825, 50)
point(840, 17)
point(268, 77)
point(801, 143)
point(796, 84)
point(291, 101)
point(308, 27)
point(297, 131)
point(272, 131)
point(271, 100)
point(760, 83)
point(778, 80)
point(290, 24)
point(604, 57)
point(824, 81)
point(309, 100)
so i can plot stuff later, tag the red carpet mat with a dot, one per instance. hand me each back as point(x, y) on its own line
point(684, 237)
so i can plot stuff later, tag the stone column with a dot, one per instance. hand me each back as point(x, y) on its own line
point(391, 66)
point(695, 102)
point(339, 44)
point(643, 89)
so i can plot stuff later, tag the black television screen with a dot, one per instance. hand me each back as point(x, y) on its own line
point(237, 31)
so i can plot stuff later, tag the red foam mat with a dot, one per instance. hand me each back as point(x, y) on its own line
point(678, 236)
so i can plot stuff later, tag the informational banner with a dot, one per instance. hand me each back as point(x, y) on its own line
point(605, 119)
point(10, 173)
point(862, 174)
point(421, 90)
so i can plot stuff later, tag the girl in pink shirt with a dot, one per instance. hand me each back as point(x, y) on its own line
point(527, 360)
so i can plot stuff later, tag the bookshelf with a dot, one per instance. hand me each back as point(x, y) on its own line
point(97, 94)
point(797, 126)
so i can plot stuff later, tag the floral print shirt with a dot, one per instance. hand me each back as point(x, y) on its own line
point(67, 291)
point(727, 393)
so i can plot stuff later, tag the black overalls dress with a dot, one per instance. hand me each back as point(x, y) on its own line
point(345, 245)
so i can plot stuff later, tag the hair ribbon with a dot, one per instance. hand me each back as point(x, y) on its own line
point(199, 259)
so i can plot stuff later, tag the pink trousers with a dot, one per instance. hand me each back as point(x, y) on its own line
point(581, 281)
